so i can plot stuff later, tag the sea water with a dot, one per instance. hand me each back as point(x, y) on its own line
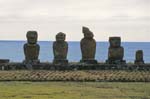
point(13, 50)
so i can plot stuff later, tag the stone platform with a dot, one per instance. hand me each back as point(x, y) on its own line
point(74, 66)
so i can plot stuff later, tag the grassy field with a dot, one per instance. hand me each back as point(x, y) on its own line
point(74, 90)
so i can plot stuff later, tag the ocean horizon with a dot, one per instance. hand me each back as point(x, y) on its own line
point(13, 50)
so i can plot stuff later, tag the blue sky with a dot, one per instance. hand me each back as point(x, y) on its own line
point(129, 19)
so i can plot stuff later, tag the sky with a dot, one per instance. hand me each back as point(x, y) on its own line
point(129, 19)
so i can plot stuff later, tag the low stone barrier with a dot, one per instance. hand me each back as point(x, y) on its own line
point(74, 66)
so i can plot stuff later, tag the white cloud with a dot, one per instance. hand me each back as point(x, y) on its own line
point(104, 17)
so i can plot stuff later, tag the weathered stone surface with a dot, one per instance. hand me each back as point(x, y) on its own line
point(88, 47)
point(4, 61)
point(139, 57)
point(60, 49)
point(31, 48)
point(116, 51)
point(75, 66)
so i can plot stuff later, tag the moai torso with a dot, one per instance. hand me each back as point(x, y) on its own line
point(60, 49)
point(139, 57)
point(115, 51)
point(31, 51)
point(88, 47)
point(31, 48)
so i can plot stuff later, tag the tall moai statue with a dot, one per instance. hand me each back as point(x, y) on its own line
point(31, 48)
point(60, 49)
point(139, 57)
point(88, 47)
point(115, 51)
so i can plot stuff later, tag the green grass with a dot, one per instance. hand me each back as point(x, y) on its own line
point(74, 90)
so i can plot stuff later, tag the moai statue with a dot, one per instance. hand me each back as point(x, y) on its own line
point(139, 57)
point(31, 48)
point(115, 52)
point(60, 49)
point(88, 47)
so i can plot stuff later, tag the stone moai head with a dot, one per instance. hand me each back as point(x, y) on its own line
point(60, 37)
point(32, 37)
point(87, 33)
point(115, 42)
point(139, 55)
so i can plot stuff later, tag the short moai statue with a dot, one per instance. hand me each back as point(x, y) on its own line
point(115, 51)
point(60, 49)
point(31, 48)
point(139, 57)
point(88, 47)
